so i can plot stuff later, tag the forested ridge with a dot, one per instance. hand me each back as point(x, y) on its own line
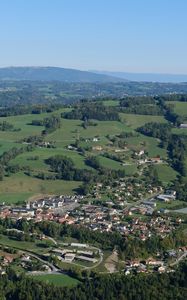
point(168, 286)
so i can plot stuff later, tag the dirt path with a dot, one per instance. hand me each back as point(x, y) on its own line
point(111, 262)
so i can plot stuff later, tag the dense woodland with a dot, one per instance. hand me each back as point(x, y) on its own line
point(166, 286)
point(86, 110)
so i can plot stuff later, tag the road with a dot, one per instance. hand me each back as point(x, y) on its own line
point(178, 260)
point(50, 265)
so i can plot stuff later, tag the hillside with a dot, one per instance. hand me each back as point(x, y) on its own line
point(53, 74)
point(147, 77)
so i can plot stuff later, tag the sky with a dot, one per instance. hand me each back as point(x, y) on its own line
point(112, 35)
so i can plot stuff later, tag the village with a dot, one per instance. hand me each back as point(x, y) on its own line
point(132, 212)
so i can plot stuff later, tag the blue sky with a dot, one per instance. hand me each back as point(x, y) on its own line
point(113, 35)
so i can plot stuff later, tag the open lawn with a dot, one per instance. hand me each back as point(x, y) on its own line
point(38, 247)
point(43, 154)
point(57, 279)
point(10, 198)
point(165, 173)
point(115, 165)
point(22, 184)
point(135, 121)
point(72, 129)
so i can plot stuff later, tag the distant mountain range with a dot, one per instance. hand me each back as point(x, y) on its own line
point(147, 77)
point(73, 75)
point(54, 74)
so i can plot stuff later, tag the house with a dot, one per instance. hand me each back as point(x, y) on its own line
point(97, 148)
point(95, 139)
point(155, 160)
point(184, 125)
point(166, 197)
point(69, 257)
point(152, 262)
point(23, 211)
point(161, 269)
point(79, 245)
point(140, 153)
point(85, 258)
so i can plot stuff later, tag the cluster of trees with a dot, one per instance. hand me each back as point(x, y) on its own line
point(27, 109)
point(6, 126)
point(140, 105)
point(7, 156)
point(51, 123)
point(157, 130)
point(180, 187)
point(175, 144)
point(172, 97)
point(33, 139)
point(65, 169)
point(126, 134)
point(92, 110)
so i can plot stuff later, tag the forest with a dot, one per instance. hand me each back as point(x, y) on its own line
point(166, 286)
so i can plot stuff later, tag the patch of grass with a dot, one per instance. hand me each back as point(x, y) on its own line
point(171, 205)
point(37, 246)
point(10, 198)
point(135, 121)
point(165, 173)
point(180, 131)
point(180, 108)
point(151, 145)
point(111, 102)
point(57, 279)
point(22, 184)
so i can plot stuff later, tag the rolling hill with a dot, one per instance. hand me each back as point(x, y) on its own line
point(54, 74)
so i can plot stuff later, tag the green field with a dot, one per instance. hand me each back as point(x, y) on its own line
point(165, 173)
point(135, 121)
point(111, 102)
point(38, 247)
point(180, 131)
point(14, 197)
point(151, 145)
point(115, 165)
point(180, 108)
point(19, 187)
point(57, 279)
point(23, 185)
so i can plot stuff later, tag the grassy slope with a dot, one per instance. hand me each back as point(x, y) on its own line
point(57, 279)
point(180, 108)
point(20, 187)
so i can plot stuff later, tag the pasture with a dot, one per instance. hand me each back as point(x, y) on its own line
point(180, 108)
point(59, 280)
point(19, 187)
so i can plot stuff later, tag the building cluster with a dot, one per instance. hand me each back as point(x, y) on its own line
point(76, 252)
point(48, 208)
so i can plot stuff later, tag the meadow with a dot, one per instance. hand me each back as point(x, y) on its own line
point(57, 279)
point(180, 108)
point(19, 187)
